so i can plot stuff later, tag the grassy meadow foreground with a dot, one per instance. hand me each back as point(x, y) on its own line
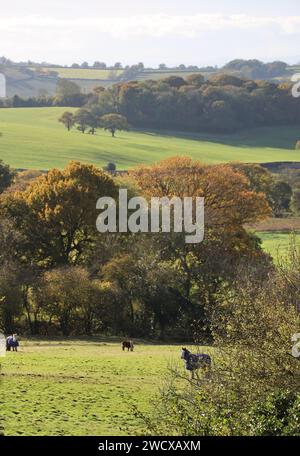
point(75, 387)
point(33, 138)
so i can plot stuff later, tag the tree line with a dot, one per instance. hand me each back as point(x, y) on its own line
point(255, 69)
point(222, 104)
point(86, 120)
point(58, 275)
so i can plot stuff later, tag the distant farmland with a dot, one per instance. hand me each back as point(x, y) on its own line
point(83, 73)
point(27, 81)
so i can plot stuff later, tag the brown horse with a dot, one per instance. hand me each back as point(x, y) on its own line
point(127, 344)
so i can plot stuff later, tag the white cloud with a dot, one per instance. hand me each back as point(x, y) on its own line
point(150, 25)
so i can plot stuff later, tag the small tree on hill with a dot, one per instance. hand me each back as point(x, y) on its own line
point(82, 119)
point(67, 119)
point(114, 122)
point(93, 122)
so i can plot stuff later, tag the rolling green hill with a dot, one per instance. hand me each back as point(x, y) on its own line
point(33, 138)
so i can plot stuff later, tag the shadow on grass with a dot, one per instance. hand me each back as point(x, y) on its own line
point(278, 137)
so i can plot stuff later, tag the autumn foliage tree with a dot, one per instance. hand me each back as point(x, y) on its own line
point(229, 200)
point(144, 285)
point(229, 203)
point(57, 212)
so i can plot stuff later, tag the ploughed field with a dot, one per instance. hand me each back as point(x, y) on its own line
point(80, 387)
point(33, 138)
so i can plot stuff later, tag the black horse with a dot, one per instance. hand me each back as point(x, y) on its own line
point(127, 344)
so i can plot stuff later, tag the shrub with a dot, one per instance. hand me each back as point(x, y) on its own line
point(111, 166)
point(279, 414)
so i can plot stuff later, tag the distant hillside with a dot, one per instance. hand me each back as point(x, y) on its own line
point(35, 80)
point(24, 82)
point(32, 81)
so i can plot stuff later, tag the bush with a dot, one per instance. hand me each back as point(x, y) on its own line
point(279, 414)
point(252, 327)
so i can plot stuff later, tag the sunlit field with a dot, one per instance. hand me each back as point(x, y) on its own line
point(277, 243)
point(74, 387)
point(33, 138)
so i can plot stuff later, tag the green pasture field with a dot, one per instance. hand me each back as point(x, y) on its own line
point(76, 387)
point(84, 73)
point(33, 138)
point(276, 243)
point(90, 73)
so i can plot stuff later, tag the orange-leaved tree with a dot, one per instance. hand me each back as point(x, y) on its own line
point(229, 200)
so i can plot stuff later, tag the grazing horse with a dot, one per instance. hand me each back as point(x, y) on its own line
point(127, 344)
point(12, 342)
point(195, 362)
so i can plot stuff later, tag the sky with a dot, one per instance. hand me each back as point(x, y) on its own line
point(192, 32)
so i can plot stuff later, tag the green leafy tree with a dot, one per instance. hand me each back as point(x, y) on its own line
point(281, 197)
point(66, 88)
point(67, 119)
point(68, 93)
point(71, 298)
point(82, 119)
point(114, 122)
point(93, 121)
point(10, 296)
point(295, 203)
